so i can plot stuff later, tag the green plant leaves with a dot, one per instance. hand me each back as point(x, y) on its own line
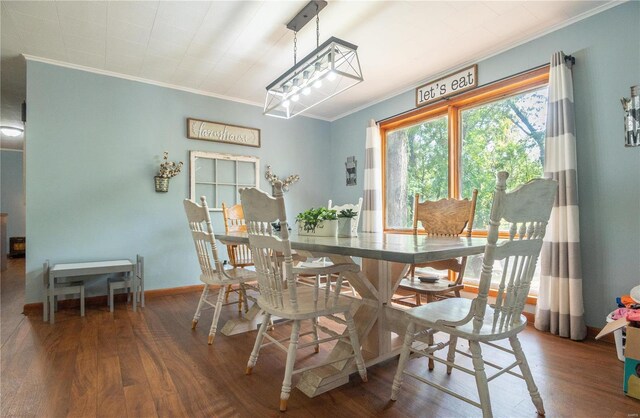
point(310, 219)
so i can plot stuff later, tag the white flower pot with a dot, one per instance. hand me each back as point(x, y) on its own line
point(347, 227)
point(323, 229)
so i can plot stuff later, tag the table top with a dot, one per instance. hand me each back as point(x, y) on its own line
point(93, 267)
point(401, 248)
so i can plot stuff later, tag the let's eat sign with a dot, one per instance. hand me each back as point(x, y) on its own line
point(447, 86)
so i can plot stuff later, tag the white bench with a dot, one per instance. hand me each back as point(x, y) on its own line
point(89, 269)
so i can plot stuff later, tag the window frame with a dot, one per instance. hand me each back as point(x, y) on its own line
point(452, 108)
point(215, 156)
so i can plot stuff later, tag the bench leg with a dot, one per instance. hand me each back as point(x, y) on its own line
point(52, 303)
point(82, 301)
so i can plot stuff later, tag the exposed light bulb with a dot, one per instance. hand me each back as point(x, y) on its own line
point(295, 97)
point(296, 85)
point(332, 75)
point(306, 91)
point(317, 84)
point(10, 131)
point(286, 103)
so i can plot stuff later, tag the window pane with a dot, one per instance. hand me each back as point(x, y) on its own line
point(204, 170)
point(246, 173)
point(506, 135)
point(226, 195)
point(416, 161)
point(225, 171)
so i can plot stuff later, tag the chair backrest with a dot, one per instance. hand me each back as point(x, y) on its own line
point(354, 207)
point(233, 218)
point(203, 238)
point(239, 255)
point(527, 209)
point(271, 249)
point(445, 217)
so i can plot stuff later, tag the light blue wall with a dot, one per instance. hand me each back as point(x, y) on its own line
point(607, 51)
point(94, 145)
point(12, 192)
point(95, 142)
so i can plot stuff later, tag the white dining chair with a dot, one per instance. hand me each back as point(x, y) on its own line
point(282, 296)
point(213, 274)
point(527, 210)
point(356, 207)
point(325, 262)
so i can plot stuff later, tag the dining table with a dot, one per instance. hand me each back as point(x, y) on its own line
point(384, 259)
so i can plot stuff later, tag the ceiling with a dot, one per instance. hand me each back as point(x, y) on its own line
point(234, 49)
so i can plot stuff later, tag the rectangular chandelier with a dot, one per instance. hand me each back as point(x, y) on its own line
point(332, 68)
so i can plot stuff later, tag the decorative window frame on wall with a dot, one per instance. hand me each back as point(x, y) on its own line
point(216, 158)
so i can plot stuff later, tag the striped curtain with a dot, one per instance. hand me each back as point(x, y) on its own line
point(372, 206)
point(560, 308)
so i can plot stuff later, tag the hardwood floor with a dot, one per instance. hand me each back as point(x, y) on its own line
point(150, 363)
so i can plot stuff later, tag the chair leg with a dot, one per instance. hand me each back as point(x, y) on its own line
point(481, 379)
point(402, 363)
point(216, 316)
point(228, 290)
point(110, 298)
point(288, 371)
point(82, 301)
point(45, 305)
point(355, 343)
point(203, 297)
point(314, 326)
point(253, 358)
point(451, 355)
point(430, 342)
point(526, 373)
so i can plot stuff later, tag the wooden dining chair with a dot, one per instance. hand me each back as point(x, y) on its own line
point(282, 296)
point(527, 209)
point(213, 274)
point(239, 254)
point(445, 217)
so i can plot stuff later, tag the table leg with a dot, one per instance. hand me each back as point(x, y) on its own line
point(375, 284)
point(133, 279)
point(52, 283)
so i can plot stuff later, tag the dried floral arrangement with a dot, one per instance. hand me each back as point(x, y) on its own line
point(168, 168)
point(272, 178)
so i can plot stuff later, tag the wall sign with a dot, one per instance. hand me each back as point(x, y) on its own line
point(351, 165)
point(222, 132)
point(447, 86)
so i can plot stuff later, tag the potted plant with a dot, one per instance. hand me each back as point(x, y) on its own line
point(167, 170)
point(347, 223)
point(320, 222)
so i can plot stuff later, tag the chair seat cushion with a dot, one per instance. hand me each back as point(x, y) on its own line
point(307, 308)
point(437, 314)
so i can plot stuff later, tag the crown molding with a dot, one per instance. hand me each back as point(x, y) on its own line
point(147, 81)
point(411, 86)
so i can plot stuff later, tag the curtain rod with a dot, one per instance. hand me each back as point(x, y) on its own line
point(566, 58)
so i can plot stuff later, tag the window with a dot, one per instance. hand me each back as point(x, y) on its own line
point(219, 177)
point(450, 148)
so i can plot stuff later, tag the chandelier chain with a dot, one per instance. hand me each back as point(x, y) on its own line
point(317, 27)
point(295, 47)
